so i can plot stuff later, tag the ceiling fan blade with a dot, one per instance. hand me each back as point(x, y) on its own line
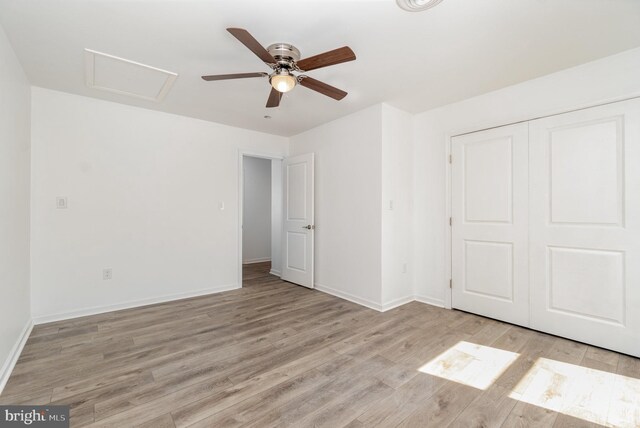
point(323, 88)
point(247, 39)
point(274, 98)
point(336, 56)
point(233, 76)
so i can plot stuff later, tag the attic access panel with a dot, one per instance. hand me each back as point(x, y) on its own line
point(122, 76)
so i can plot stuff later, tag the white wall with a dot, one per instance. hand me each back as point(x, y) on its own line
point(144, 192)
point(364, 190)
point(347, 199)
point(607, 79)
point(397, 207)
point(15, 315)
point(276, 217)
point(256, 224)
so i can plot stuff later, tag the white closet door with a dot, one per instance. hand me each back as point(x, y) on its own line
point(489, 232)
point(585, 225)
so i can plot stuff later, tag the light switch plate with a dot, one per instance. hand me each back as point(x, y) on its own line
point(61, 202)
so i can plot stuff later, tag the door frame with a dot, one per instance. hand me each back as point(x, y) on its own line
point(241, 155)
point(448, 256)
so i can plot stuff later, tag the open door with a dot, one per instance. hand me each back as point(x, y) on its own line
point(298, 228)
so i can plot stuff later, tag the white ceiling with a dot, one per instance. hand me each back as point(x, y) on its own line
point(414, 61)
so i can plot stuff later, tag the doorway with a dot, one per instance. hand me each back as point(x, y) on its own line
point(260, 214)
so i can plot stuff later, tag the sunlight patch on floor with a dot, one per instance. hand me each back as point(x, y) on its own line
point(592, 395)
point(470, 364)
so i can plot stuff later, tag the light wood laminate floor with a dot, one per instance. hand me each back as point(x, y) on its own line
point(275, 354)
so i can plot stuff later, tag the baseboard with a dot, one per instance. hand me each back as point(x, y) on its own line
point(396, 302)
point(252, 261)
point(429, 301)
point(275, 272)
point(347, 296)
point(12, 359)
point(41, 319)
point(376, 306)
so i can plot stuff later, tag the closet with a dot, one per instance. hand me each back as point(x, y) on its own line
point(546, 224)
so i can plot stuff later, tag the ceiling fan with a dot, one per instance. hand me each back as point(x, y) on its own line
point(284, 60)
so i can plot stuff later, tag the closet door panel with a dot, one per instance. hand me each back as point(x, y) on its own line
point(585, 225)
point(489, 231)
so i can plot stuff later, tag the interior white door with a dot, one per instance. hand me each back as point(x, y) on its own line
point(585, 225)
point(489, 180)
point(298, 227)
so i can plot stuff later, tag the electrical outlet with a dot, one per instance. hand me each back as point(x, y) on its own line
point(107, 273)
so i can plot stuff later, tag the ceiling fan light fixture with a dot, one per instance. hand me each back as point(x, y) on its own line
point(417, 5)
point(282, 81)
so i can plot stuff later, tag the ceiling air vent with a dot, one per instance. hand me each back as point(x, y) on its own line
point(417, 5)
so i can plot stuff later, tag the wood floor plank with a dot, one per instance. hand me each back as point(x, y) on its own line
point(566, 421)
point(443, 407)
point(341, 372)
point(198, 410)
point(38, 397)
point(490, 409)
point(527, 415)
point(138, 415)
point(347, 407)
point(164, 421)
point(260, 404)
point(274, 354)
point(116, 408)
point(85, 387)
point(392, 410)
point(537, 346)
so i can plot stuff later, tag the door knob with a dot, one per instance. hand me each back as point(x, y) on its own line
point(308, 227)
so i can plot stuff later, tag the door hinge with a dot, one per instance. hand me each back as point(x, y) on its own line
point(450, 221)
point(451, 283)
point(450, 158)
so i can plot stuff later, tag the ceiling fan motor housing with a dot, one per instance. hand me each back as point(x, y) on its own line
point(285, 53)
